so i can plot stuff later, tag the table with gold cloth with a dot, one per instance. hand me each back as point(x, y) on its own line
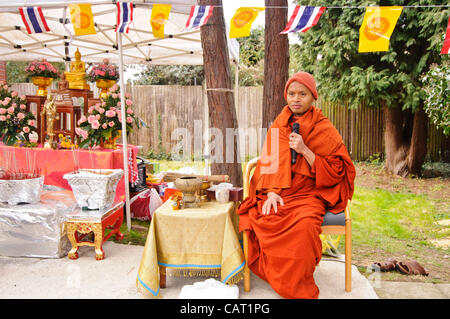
point(193, 241)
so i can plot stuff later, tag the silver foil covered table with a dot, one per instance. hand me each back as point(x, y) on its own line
point(36, 230)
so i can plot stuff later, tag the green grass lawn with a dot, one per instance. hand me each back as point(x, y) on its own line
point(394, 221)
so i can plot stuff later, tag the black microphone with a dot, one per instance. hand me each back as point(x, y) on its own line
point(295, 129)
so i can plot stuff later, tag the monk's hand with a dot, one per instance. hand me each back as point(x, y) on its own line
point(272, 200)
point(296, 143)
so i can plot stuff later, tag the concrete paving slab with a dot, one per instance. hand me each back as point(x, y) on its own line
point(411, 290)
point(115, 277)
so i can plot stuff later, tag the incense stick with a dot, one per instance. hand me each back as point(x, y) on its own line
point(90, 155)
point(75, 162)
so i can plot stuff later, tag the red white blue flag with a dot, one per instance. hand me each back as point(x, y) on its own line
point(34, 20)
point(198, 17)
point(303, 18)
point(446, 46)
point(124, 16)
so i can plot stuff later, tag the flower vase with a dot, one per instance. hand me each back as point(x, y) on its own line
point(42, 82)
point(104, 86)
point(110, 143)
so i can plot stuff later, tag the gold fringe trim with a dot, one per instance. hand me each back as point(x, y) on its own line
point(176, 272)
point(236, 278)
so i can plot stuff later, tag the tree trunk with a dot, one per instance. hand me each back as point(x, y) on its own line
point(222, 113)
point(276, 60)
point(405, 140)
point(418, 148)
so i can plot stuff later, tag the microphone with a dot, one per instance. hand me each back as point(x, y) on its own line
point(295, 129)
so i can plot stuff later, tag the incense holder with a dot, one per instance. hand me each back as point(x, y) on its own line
point(18, 191)
point(94, 188)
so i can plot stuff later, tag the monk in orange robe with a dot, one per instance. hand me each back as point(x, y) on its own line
point(284, 210)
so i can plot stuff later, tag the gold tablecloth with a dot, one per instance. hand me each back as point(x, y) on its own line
point(193, 241)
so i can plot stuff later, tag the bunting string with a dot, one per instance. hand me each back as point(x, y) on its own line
point(374, 34)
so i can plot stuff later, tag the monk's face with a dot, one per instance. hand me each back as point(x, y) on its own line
point(299, 98)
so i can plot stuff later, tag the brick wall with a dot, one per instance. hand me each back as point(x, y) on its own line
point(2, 70)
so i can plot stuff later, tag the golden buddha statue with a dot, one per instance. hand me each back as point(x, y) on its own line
point(50, 115)
point(77, 74)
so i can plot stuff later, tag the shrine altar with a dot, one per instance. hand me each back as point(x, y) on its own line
point(53, 164)
point(191, 241)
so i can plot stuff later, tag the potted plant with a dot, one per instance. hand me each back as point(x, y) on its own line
point(42, 73)
point(103, 123)
point(104, 75)
point(16, 123)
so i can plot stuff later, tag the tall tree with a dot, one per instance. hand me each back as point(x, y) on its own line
point(222, 112)
point(390, 79)
point(276, 60)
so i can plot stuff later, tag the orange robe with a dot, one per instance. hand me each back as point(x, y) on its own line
point(284, 248)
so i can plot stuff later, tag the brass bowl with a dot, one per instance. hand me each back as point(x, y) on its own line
point(189, 185)
point(203, 194)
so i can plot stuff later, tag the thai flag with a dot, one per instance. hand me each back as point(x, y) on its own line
point(34, 20)
point(198, 17)
point(446, 46)
point(124, 16)
point(303, 18)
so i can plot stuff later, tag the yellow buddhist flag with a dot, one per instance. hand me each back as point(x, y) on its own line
point(242, 21)
point(377, 28)
point(82, 19)
point(160, 15)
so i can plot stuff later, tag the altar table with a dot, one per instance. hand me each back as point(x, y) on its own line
point(55, 163)
point(193, 241)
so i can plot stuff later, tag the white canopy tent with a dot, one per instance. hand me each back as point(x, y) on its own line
point(139, 46)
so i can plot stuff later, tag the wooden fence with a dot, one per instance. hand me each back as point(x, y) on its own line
point(166, 108)
point(174, 113)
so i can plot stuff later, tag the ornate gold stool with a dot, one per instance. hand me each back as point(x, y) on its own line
point(82, 222)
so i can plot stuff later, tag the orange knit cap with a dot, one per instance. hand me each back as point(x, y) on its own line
point(303, 78)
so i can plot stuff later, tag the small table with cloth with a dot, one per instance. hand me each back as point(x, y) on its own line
point(193, 241)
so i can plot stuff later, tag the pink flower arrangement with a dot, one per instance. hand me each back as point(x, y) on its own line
point(104, 119)
point(104, 71)
point(42, 68)
point(16, 123)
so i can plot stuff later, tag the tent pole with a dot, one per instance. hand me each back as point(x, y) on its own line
point(124, 132)
point(206, 154)
point(236, 101)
